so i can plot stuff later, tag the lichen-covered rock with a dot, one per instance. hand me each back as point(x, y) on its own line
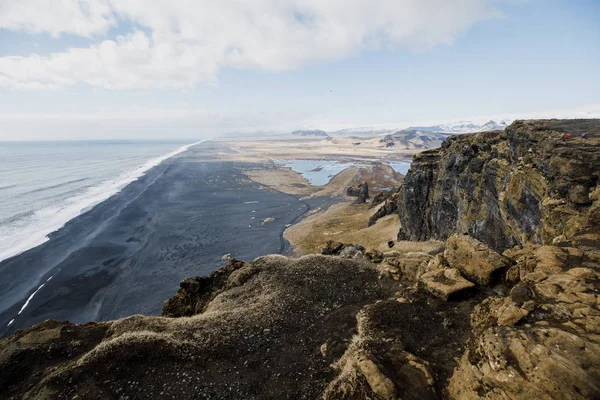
point(445, 283)
point(380, 384)
point(407, 264)
point(539, 363)
point(503, 188)
point(345, 250)
point(474, 259)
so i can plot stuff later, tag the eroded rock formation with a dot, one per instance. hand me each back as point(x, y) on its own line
point(361, 192)
point(504, 187)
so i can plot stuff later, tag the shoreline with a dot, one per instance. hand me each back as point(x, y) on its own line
point(128, 253)
point(82, 203)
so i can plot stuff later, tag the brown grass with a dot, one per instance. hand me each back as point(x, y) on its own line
point(344, 223)
point(281, 179)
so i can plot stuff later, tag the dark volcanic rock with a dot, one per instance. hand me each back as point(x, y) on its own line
point(361, 191)
point(390, 206)
point(195, 293)
point(502, 187)
point(381, 197)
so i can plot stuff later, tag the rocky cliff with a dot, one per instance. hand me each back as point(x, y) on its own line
point(524, 184)
point(509, 308)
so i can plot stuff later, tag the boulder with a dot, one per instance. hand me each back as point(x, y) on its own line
point(445, 283)
point(345, 250)
point(476, 261)
point(438, 262)
point(408, 263)
point(352, 252)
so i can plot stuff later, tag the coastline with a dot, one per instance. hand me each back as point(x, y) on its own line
point(83, 202)
point(127, 254)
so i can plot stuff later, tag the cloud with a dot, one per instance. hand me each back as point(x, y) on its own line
point(78, 17)
point(180, 44)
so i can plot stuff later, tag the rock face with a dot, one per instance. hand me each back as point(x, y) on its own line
point(505, 187)
point(389, 206)
point(361, 192)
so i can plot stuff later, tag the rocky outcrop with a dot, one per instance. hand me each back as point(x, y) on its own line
point(195, 293)
point(474, 259)
point(361, 192)
point(381, 197)
point(509, 310)
point(445, 283)
point(389, 206)
point(505, 187)
point(542, 340)
point(268, 329)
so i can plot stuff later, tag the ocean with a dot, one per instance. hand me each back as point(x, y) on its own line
point(45, 184)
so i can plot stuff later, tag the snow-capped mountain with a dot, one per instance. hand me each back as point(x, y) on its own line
point(414, 139)
point(493, 126)
point(461, 127)
point(448, 128)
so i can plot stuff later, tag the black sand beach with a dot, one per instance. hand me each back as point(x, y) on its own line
point(128, 254)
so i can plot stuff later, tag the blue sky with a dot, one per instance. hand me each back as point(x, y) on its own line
point(409, 63)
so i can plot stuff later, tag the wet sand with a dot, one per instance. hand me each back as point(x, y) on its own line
point(128, 254)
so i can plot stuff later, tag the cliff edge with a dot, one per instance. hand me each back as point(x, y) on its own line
point(508, 308)
point(504, 187)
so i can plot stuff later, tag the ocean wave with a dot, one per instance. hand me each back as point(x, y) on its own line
point(16, 217)
point(7, 187)
point(50, 219)
point(56, 186)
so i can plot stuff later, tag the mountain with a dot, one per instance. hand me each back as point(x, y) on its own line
point(364, 130)
point(414, 139)
point(313, 132)
point(492, 126)
point(461, 127)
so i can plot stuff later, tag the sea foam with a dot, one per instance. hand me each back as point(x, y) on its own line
point(49, 219)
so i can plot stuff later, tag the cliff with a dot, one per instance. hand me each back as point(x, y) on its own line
point(504, 188)
point(509, 308)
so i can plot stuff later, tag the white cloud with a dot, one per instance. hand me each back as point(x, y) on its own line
point(180, 44)
point(79, 17)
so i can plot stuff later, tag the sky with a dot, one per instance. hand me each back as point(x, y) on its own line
point(141, 69)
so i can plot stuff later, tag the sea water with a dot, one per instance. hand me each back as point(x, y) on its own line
point(45, 184)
